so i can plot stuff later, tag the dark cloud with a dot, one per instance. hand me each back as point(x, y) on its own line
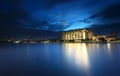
point(45, 25)
point(108, 19)
point(10, 19)
point(10, 14)
point(52, 3)
point(111, 12)
point(56, 15)
point(85, 21)
point(106, 29)
point(111, 26)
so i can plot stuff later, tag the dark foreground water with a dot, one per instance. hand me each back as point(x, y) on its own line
point(69, 59)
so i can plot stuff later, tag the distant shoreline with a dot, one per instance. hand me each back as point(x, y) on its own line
point(62, 42)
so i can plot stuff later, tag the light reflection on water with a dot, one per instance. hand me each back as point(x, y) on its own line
point(109, 48)
point(77, 53)
point(66, 59)
point(90, 57)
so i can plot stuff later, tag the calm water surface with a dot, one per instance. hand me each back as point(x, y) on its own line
point(68, 59)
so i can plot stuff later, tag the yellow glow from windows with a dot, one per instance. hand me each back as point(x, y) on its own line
point(84, 37)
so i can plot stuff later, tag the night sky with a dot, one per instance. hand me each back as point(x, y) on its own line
point(47, 18)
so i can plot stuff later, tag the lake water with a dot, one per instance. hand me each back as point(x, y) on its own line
point(67, 59)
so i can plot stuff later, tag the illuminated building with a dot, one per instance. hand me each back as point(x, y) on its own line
point(98, 38)
point(103, 37)
point(77, 35)
point(112, 37)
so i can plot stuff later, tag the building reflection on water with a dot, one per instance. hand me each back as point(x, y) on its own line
point(78, 54)
point(109, 48)
point(67, 59)
point(83, 55)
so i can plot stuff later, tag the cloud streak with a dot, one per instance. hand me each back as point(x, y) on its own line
point(111, 12)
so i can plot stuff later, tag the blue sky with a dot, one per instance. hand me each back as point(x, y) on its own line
point(65, 14)
point(58, 15)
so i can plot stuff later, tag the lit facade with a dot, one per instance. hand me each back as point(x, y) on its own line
point(77, 35)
